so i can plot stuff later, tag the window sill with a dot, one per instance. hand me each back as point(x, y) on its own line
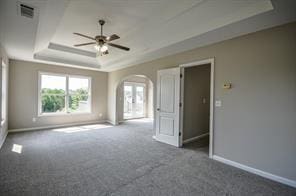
point(65, 114)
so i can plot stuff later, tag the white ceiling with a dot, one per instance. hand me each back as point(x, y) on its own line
point(151, 28)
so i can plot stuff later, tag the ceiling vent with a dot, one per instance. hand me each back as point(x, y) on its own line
point(26, 11)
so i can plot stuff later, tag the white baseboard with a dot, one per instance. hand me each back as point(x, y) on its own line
point(3, 139)
point(256, 171)
point(111, 122)
point(195, 138)
point(56, 126)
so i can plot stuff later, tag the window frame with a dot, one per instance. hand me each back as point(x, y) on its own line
point(4, 92)
point(67, 76)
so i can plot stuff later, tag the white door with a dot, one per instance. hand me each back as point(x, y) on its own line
point(168, 99)
point(134, 100)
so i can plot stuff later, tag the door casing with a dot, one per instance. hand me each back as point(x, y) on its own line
point(210, 61)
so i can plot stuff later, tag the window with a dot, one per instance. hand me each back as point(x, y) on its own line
point(64, 94)
point(53, 94)
point(79, 96)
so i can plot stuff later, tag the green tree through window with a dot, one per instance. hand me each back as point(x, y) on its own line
point(53, 100)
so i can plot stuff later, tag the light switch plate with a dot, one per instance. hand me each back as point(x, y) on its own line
point(218, 103)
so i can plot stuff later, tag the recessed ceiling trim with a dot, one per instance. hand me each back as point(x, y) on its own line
point(63, 48)
point(49, 18)
point(67, 62)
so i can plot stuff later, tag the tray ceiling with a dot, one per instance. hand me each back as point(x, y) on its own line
point(151, 28)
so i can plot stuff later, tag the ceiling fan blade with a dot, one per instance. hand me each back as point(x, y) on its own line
point(89, 43)
point(119, 46)
point(112, 37)
point(84, 36)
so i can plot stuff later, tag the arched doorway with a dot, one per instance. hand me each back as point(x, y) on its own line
point(134, 98)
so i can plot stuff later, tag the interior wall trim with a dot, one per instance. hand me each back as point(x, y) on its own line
point(264, 174)
point(59, 47)
point(56, 126)
point(112, 122)
point(3, 139)
point(67, 63)
point(210, 61)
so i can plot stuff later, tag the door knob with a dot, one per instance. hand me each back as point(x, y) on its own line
point(158, 109)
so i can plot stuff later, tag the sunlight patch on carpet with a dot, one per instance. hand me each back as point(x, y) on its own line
point(17, 148)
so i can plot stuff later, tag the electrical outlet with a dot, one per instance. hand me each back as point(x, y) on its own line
point(34, 119)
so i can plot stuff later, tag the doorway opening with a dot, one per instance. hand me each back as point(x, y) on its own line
point(135, 98)
point(179, 120)
point(196, 119)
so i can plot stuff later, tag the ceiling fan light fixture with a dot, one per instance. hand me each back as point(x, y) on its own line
point(104, 48)
point(99, 48)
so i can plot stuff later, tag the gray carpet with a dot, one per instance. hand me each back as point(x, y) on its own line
point(122, 160)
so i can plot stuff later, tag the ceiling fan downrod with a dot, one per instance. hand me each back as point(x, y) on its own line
point(101, 22)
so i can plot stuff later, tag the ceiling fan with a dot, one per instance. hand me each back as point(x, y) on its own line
point(102, 42)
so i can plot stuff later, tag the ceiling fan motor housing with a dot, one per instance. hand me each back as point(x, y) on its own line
point(100, 40)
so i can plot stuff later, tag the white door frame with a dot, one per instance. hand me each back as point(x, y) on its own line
point(211, 131)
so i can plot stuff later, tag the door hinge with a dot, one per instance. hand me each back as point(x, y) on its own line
point(181, 75)
point(179, 133)
point(180, 104)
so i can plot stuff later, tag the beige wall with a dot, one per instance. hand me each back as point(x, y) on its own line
point(196, 101)
point(256, 124)
point(23, 95)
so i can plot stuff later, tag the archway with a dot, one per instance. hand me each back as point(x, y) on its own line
point(121, 99)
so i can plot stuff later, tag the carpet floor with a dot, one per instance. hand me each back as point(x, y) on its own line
point(122, 160)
